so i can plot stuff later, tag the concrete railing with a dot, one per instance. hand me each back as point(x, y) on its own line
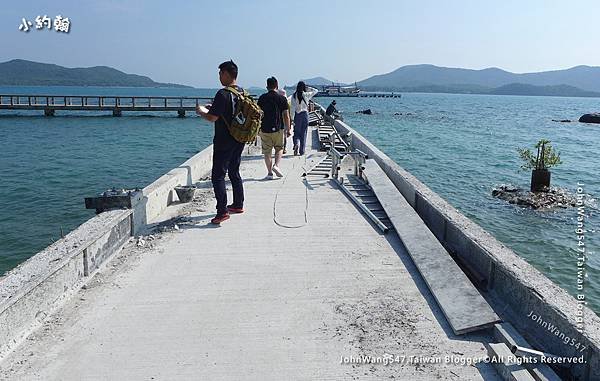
point(520, 293)
point(37, 287)
point(161, 193)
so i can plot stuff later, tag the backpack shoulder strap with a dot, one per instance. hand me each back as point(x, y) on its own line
point(235, 91)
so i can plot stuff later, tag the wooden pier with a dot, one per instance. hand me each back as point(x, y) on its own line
point(117, 104)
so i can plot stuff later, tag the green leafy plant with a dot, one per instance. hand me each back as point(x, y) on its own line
point(545, 158)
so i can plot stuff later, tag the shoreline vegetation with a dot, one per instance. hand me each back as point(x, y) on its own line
point(510, 89)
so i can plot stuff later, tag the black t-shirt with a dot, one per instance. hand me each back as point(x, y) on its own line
point(272, 104)
point(330, 109)
point(222, 107)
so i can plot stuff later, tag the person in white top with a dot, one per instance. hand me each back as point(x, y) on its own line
point(284, 93)
point(299, 107)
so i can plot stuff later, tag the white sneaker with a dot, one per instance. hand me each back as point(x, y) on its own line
point(277, 171)
point(269, 176)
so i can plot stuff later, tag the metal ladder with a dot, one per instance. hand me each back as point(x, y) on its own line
point(327, 136)
point(363, 194)
point(353, 185)
point(321, 169)
point(325, 132)
point(357, 189)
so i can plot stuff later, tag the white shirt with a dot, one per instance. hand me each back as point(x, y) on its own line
point(298, 107)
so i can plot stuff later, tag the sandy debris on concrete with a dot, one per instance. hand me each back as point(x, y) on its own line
point(382, 324)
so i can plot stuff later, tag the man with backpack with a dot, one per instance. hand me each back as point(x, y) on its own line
point(228, 115)
point(275, 119)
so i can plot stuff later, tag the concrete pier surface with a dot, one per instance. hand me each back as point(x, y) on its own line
point(296, 288)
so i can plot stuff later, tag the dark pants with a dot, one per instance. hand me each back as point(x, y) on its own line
point(227, 161)
point(300, 130)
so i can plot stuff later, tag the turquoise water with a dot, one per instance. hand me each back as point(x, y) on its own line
point(48, 165)
point(459, 145)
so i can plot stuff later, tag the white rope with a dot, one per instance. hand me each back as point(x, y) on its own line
point(305, 195)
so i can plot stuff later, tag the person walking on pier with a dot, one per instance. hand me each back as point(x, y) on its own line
point(275, 119)
point(227, 151)
point(300, 100)
point(285, 136)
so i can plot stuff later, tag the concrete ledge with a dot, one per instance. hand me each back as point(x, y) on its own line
point(507, 334)
point(506, 363)
point(158, 195)
point(462, 304)
point(518, 289)
point(34, 289)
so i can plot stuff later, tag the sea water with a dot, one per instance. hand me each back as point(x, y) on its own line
point(49, 164)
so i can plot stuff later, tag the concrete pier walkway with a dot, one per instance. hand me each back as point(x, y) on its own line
point(288, 290)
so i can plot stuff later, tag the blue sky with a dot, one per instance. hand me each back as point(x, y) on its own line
point(184, 41)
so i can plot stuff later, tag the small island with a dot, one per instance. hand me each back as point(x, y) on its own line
point(540, 194)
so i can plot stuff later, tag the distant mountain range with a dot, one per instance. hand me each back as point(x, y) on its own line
point(28, 73)
point(579, 81)
point(576, 81)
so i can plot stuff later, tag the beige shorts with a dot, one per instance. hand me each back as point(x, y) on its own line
point(271, 140)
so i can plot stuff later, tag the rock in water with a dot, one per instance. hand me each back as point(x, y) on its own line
point(549, 199)
point(590, 118)
point(504, 191)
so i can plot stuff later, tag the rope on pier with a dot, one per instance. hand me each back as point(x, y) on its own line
point(289, 173)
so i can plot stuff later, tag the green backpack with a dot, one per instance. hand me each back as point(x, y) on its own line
point(247, 117)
